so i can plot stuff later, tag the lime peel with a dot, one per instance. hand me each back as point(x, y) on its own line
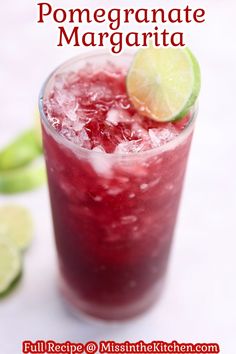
point(23, 178)
point(19, 152)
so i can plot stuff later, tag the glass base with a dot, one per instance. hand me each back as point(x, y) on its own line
point(102, 313)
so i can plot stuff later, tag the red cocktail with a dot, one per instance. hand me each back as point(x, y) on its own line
point(115, 180)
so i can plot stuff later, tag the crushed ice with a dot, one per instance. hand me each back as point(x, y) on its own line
point(91, 109)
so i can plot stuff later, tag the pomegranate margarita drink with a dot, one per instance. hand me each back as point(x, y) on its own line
point(115, 179)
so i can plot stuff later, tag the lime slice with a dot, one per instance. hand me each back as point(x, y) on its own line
point(164, 83)
point(16, 225)
point(10, 265)
point(24, 178)
point(20, 152)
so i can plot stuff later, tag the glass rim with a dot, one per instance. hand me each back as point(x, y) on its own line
point(78, 149)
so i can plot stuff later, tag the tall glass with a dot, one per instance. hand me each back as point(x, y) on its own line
point(114, 215)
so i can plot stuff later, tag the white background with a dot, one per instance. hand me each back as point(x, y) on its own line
point(198, 304)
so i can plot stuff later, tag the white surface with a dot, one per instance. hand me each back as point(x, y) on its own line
point(199, 301)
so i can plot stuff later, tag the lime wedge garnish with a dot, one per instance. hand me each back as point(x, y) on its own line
point(21, 151)
point(164, 83)
point(16, 225)
point(23, 178)
point(10, 264)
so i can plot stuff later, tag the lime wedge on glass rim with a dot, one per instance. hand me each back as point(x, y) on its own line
point(10, 265)
point(16, 226)
point(164, 83)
